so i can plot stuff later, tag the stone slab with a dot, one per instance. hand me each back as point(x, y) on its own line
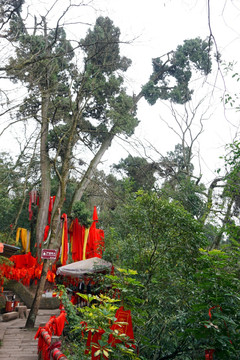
point(10, 316)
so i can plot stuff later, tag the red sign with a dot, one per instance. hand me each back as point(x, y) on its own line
point(49, 254)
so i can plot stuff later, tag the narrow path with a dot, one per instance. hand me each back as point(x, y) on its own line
point(17, 342)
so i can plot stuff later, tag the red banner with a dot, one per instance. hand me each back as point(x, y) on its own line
point(122, 316)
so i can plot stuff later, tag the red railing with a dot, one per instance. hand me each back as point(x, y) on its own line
point(46, 348)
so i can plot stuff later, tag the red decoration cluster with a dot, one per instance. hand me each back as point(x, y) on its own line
point(25, 269)
point(50, 208)
point(95, 242)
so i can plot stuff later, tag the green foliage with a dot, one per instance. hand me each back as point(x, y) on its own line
point(176, 170)
point(230, 98)
point(232, 164)
point(166, 227)
point(180, 282)
point(57, 139)
point(124, 283)
point(187, 193)
point(102, 47)
point(100, 314)
point(139, 171)
point(6, 239)
point(96, 100)
point(80, 212)
point(216, 294)
point(12, 176)
point(170, 79)
point(72, 318)
point(161, 241)
point(4, 260)
point(121, 114)
point(210, 232)
point(46, 60)
point(178, 162)
point(9, 12)
point(109, 104)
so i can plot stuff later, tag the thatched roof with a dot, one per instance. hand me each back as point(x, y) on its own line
point(80, 268)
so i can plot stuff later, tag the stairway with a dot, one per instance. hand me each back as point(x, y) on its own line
point(18, 344)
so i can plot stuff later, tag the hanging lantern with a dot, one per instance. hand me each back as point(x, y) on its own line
point(1, 247)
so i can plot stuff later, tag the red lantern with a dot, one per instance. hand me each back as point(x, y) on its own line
point(1, 247)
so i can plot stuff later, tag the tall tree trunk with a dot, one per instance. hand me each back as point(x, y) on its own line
point(218, 237)
point(212, 186)
point(55, 224)
point(36, 301)
point(90, 170)
point(55, 228)
point(45, 173)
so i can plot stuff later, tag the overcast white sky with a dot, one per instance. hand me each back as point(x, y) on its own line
point(158, 26)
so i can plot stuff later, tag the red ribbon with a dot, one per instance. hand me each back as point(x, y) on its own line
point(54, 346)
